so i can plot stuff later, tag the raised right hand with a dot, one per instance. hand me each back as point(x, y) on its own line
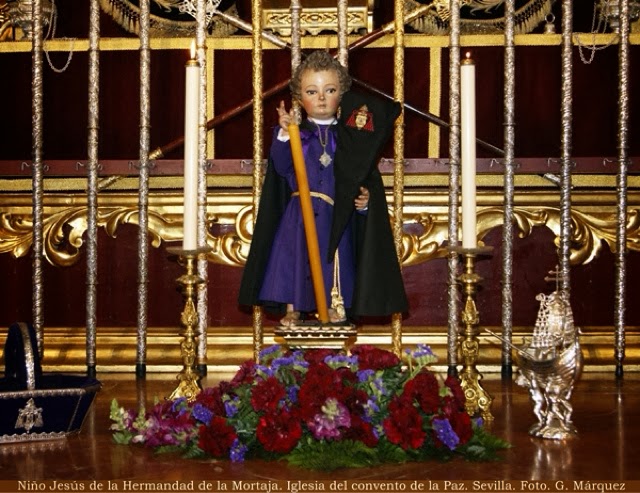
point(284, 118)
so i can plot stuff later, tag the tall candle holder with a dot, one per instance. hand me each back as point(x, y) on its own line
point(188, 378)
point(477, 400)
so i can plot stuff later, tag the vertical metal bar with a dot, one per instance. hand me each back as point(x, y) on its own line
point(564, 253)
point(509, 165)
point(621, 187)
point(296, 49)
point(435, 92)
point(93, 123)
point(256, 37)
point(37, 177)
point(202, 264)
point(398, 152)
point(453, 305)
point(296, 34)
point(343, 32)
point(143, 189)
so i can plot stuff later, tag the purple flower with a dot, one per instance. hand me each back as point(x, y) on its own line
point(282, 361)
point(231, 406)
point(445, 432)
point(370, 408)
point(238, 450)
point(340, 360)
point(201, 413)
point(179, 406)
point(364, 375)
point(268, 350)
point(378, 387)
point(292, 393)
point(422, 355)
point(327, 424)
point(264, 371)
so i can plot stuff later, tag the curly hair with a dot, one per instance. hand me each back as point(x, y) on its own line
point(318, 61)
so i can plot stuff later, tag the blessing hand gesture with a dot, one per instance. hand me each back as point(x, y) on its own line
point(284, 118)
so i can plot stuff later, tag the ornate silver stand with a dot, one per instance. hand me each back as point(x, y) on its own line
point(478, 401)
point(189, 378)
point(549, 365)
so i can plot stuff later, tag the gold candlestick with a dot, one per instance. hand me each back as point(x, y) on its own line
point(189, 378)
point(478, 401)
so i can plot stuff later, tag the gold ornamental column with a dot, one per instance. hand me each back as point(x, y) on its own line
point(398, 153)
point(256, 51)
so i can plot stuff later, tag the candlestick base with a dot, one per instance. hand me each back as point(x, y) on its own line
point(189, 377)
point(477, 399)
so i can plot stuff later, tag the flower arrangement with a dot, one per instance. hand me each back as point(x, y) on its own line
point(321, 409)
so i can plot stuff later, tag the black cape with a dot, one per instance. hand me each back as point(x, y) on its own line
point(379, 289)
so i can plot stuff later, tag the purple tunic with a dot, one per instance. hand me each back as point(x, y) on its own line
point(288, 274)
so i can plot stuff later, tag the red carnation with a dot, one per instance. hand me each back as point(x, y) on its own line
point(321, 382)
point(217, 437)
point(456, 389)
point(354, 399)
point(424, 389)
point(361, 431)
point(279, 432)
point(461, 424)
point(404, 425)
point(245, 374)
point(318, 355)
point(266, 395)
point(211, 398)
point(372, 358)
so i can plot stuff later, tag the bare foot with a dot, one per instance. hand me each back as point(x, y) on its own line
point(290, 319)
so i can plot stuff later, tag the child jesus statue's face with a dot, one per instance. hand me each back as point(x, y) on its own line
point(320, 93)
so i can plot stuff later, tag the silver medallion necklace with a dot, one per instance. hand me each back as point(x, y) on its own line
point(325, 159)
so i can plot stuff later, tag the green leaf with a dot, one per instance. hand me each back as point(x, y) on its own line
point(330, 455)
point(168, 449)
point(122, 437)
point(194, 452)
point(483, 446)
point(388, 452)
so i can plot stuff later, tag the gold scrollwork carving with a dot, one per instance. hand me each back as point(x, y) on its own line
point(589, 231)
point(233, 248)
point(425, 228)
point(63, 231)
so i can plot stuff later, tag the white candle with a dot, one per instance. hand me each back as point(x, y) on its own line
point(468, 150)
point(191, 117)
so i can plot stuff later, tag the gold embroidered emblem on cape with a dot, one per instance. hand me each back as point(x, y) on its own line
point(361, 118)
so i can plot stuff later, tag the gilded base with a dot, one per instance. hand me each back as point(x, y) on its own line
point(310, 335)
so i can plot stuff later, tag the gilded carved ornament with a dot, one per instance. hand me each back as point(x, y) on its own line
point(424, 236)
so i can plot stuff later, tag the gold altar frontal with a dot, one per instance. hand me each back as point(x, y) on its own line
point(315, 335)
point(317, 16)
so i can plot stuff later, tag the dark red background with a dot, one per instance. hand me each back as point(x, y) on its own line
point(538, 134)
